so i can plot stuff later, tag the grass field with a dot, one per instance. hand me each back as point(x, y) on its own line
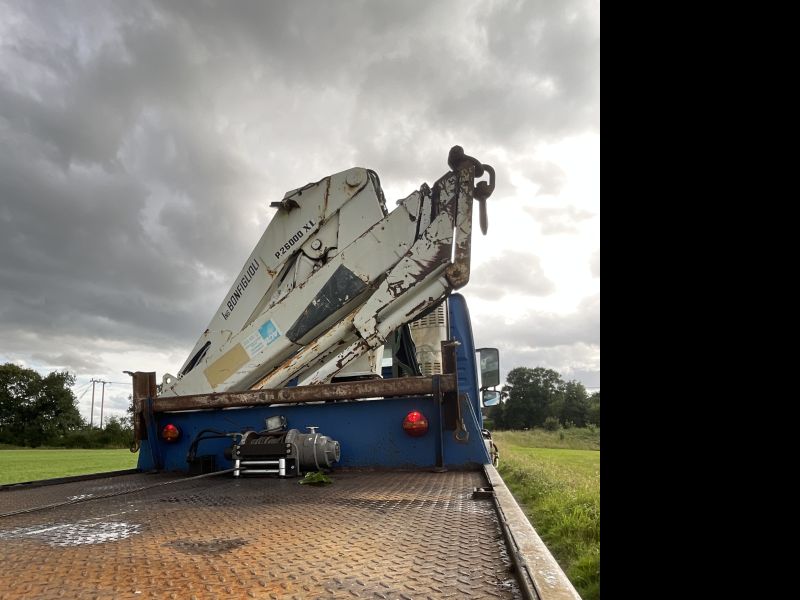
point(18, 465)
point(556, 480)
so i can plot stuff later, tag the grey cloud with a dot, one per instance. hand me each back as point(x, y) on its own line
point(81, 239)
point(510, 273)
point(554, 221)
point(550, 178)
point(567, 343)
point(129, 187)
point(546, 330)
point(72, 361)
point(554, 42)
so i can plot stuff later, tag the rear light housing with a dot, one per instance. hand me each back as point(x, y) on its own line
point(170, 433)
point(415, 424)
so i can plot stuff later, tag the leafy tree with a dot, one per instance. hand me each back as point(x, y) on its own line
point(117, 433)
point(127, 420)
point(593, 414)
point(540, 398)
point(35, 410)
point(552, 424)
point(532, 394)
point(496, 415)
point(574, 406)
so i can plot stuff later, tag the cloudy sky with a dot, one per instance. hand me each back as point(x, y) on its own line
point(142, 142)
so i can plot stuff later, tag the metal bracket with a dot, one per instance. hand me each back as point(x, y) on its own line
point(152, 434)
point(437, 399)
point(461, 435)
point(450, 398)
point(144, 387)
point(480, 493)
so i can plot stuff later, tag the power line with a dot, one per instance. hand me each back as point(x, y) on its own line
point(86, 389)
point(102, 397)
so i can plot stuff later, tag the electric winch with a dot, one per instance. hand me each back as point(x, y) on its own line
point(282, 453)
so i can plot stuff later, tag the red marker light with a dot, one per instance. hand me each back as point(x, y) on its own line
point(415, 424)
point(170, 433)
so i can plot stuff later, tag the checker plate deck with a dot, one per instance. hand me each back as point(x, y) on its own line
point(368, 535)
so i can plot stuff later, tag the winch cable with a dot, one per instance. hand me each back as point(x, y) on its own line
point(201, 436)
point(113, 494)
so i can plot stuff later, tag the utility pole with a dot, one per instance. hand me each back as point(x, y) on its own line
point(102, 397)
point(91, 418)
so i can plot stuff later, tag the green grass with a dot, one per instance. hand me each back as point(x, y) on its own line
point(20, 465)
point(573, 439)
point(558, 487)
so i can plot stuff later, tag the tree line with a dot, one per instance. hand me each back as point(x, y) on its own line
point(43, 411)
point(541, 398)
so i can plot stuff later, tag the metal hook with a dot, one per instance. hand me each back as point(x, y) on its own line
point(482, 191)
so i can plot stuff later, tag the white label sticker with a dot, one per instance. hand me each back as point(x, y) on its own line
point(258, 340)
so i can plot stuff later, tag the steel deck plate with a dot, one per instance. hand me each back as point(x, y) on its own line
point(367, 535)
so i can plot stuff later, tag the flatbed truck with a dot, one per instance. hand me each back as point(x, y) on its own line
point(343, 356)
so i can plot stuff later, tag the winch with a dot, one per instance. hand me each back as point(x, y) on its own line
point(282, 453)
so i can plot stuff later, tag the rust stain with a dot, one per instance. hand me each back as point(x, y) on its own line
point(216, 546)
point(396, 288)
point(354, 353)
point(419, 306)
point(307, 393)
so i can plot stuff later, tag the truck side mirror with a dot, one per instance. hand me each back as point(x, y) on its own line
point(491, 397)
point(490, 367)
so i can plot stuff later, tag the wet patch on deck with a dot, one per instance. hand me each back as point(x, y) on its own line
point(74, 534)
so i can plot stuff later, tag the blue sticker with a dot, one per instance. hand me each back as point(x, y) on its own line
point(269, 332)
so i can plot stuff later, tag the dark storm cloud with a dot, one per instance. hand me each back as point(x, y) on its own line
point(133, 137)
point(71, 361)
point(540, 76)
point(87, 142)
point(76, 257)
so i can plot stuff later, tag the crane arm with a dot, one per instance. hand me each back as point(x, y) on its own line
point(332, 276)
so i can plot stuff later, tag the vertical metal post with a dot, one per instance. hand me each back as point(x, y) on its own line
point(450, 399)
point(91, 417)
point(102, 399)
point(437, 400)
point(152, 434)
point(144, 387)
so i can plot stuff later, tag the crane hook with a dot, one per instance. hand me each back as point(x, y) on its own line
point(484, 189)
